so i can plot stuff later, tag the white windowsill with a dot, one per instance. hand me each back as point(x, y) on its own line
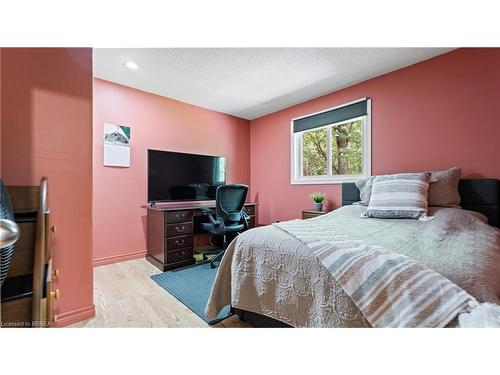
point(327, 181)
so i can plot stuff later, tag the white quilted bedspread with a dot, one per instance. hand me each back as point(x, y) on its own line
point(267, 271)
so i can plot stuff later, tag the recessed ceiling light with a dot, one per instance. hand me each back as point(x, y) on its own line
point(132, 65)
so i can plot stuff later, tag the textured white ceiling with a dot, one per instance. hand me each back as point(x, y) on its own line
point(250, 82)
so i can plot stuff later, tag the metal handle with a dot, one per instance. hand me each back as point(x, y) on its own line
point(179, 254)
point(179, 216)
point(180, 243)
point(56, 294)
point(9, 233)
point(180, 229)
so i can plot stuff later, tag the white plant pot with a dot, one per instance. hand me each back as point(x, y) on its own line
point(318, 206)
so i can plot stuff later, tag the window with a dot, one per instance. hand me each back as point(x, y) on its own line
point(332, 146)
point(220, 170)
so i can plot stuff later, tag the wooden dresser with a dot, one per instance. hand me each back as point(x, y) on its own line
point(27, 293)
point(171, 231)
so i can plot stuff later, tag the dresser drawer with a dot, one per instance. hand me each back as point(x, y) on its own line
point(178, 229)
point(251, 222)
point(250, 210)
point(309, 214)
point(178, 242)
point(178, 216)
point(179, 254)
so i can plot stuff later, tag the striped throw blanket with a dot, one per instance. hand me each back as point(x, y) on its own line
point(390, 290)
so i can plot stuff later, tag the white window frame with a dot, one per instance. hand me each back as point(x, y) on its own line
point(296, 162)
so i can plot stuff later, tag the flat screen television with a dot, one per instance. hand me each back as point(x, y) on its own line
point(176, 176)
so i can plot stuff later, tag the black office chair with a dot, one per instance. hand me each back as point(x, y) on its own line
point(230, 216)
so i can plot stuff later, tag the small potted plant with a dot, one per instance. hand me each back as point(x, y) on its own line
point(318, 200)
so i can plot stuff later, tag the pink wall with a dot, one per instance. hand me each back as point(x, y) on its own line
point(1, 174)
point(46, 130)
point(159, 123)
point(436, 114)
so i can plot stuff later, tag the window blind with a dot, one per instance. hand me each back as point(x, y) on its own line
point(331, 117)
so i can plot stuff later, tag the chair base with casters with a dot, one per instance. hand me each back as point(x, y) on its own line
point(219, 252)
point(230, 217)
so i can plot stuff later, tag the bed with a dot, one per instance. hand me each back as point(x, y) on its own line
point(271, 279)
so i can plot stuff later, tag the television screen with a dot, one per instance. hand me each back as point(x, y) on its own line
point(176, 176)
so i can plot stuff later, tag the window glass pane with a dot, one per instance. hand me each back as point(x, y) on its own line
point(346, 148)
point(314, 152)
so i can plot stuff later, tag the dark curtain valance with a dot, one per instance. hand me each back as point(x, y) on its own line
point(331, 117)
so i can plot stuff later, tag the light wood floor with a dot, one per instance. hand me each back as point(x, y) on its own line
point(125, 296)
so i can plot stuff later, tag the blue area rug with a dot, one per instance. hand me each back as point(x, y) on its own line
point(192, 286)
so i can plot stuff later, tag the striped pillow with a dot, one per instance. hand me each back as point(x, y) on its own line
point(399, 196)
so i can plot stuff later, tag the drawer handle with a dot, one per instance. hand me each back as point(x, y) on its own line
point(180, 229)
point(180, 216)
point(55, 294)
point(179, 242)
point(178, 254)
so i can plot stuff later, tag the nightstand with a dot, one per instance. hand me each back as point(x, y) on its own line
point(309, 214)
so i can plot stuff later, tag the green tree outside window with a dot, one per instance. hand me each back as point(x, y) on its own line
point(346, 146)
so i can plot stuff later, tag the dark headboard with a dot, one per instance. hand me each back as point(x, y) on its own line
point(476, 195)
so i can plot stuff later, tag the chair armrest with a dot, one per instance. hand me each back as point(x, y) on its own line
point(206, 211)
point(215, 222)
point(246, 218)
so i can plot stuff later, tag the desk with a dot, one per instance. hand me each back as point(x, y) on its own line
point(170, 232)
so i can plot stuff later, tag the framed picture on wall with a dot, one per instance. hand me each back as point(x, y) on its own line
point(116, 145)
